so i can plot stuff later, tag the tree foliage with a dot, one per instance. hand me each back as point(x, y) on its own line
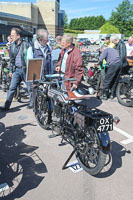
point(65, 20)
point(122, 18)
point(109, 28)
point(87, 23)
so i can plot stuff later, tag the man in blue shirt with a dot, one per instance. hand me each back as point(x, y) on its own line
point(114, 63)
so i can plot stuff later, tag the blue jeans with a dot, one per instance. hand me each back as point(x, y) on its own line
point(18, 76)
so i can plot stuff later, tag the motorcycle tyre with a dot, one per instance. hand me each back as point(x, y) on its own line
point(37, 112)
point(118, 89)
point(99, 166)
point(17, 93)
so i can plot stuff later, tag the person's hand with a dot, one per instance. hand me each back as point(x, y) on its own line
point(10, 74)
point(58, 68)
point(74, 86)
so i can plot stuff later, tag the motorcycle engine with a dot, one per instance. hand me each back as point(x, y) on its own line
point(57, 109)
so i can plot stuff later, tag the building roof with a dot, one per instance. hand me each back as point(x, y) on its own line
point(6, 29)
point(12, 16)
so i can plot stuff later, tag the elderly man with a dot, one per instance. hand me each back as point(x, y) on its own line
point(70, 61)
point(121, 48)
point(113, 60)
point(40, 49)
point(17, 65)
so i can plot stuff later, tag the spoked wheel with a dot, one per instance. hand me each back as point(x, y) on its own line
point(89, 152)
point(124, 93)
point(41, 110)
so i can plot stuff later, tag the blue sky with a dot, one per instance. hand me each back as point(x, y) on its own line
point(82, 8)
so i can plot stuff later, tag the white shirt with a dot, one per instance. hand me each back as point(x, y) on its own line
point(63, 64)
point(129, 49)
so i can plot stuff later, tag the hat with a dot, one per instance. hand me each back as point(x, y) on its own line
point(108, 36)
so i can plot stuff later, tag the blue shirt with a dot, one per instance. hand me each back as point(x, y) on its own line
point(110, 55)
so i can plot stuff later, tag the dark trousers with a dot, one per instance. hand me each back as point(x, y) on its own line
point(110, 74)
point(18, 76)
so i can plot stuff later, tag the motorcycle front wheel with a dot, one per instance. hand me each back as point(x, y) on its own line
point(41, 110)
point(124, 93)
point(90, 154)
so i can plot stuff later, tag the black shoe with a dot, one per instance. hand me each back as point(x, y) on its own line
point(2, 108)
point(29, 107)
point(103, 97)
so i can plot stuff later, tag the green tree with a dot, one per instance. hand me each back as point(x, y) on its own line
point(87, 23)
point(65, 20)
point(122, 18)
point(109, 28)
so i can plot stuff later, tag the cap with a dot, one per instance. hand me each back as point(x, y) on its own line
point(108, 36)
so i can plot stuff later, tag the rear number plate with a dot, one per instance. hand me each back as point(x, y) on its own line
point(104, 124)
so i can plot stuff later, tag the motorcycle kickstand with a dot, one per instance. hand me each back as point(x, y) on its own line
point(62, 143)
point(69, 158)
point(53, 135)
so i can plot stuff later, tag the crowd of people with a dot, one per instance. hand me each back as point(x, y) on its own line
point(64, 57)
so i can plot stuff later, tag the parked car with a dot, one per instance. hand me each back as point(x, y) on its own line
point(84, 41)
point(92, 41)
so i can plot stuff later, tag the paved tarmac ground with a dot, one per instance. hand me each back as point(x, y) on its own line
point(31, 163)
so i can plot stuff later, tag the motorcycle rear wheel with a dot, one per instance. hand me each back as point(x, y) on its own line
point(17, 93)
point(124, 93)
point(90, 154)
point(41, 110)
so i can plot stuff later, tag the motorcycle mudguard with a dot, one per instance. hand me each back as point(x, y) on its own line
point(105, 141)
point(124, 80)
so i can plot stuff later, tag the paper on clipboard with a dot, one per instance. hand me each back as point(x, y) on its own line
point(34, 69)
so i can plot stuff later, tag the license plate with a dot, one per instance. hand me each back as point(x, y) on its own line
point(104, 124)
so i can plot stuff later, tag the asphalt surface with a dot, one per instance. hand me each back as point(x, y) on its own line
point(36, 160)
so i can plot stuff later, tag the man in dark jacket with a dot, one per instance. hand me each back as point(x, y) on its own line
point(40, 49)
point(70, 61)
point(121, 48)
point(113, 60)
point(17, 64)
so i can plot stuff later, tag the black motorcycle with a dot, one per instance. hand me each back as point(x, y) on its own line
point(21, 91)
point(85, 128)
point(124, 89)
point(91, 75)
point(5, 79)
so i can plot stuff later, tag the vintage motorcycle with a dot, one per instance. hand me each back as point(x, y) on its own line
point(86, 129)
point(5, 79)
point(20, 92)
point(91, 75)
point(124, 89)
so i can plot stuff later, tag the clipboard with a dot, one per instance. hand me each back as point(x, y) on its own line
point(34, 69)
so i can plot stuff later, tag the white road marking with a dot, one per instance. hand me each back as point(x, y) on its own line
point(130, 137)
point(127, 141)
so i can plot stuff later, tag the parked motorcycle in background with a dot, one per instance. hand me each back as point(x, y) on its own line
point(21, 91)
point(124, 89)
